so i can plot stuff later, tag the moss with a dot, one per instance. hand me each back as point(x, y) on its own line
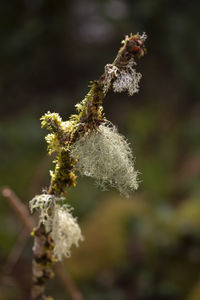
point(63, 134)
point(64, 175)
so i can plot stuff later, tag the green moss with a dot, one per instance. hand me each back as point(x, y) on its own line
point(63, 175)
point(63, 134)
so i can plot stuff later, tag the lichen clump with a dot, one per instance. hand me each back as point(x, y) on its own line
point(44, 204)
point(65, 231)
point(58, 222)
point(106, 156)
point(127, 80)
point(124, 79)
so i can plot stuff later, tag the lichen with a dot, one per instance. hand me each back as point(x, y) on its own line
point(65, 231)
point(44, 204)
point(106, 156)
point(127, 80)
point(122, 79)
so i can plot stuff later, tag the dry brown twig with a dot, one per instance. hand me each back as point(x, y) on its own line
point(19, 208)
point(15, 252)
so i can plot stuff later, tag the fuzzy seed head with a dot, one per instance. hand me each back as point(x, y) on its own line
point(106, 156)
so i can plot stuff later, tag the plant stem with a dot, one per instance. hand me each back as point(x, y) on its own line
point(43, 259)
point(89, 117)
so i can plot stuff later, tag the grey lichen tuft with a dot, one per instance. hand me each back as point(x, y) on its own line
point(65, 231)
point(122, 79)
point(106, 156)
point(127, 80)
point(44, 204)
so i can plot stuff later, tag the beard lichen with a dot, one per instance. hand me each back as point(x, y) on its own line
point(44, 204)
point(65, 231)
point(106, 156)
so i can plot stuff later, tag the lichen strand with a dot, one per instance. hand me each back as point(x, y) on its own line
point(65, 231)
point(127, 79)
point(121, 75)
point(63, 176)
point(45, 203)
point(106, 156)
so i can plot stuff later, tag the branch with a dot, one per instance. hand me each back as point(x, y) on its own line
point(16, 252)
point(19, 208)
point(120, 76)
point(67, 282)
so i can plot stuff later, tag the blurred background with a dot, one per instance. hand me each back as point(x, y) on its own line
point(143, 248)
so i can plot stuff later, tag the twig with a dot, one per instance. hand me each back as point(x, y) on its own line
point(67, 282)
point(16, 251)
point(19, 208)
point(121, 76)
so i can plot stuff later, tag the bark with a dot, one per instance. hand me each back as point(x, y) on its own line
point(43, 259)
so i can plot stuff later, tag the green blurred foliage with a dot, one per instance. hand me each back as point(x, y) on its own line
point(153, 249)
point(145, 248)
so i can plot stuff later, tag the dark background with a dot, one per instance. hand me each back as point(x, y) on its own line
point(143, 248)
